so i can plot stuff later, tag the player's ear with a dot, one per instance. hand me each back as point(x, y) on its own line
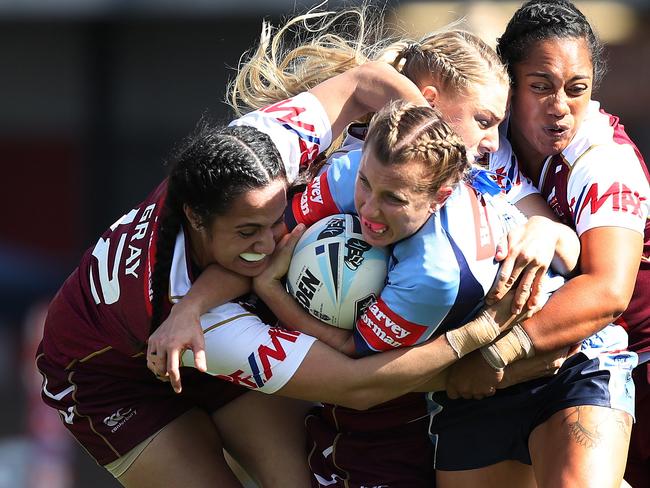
point(441, 197)
point(191, 217)
point(431, 94)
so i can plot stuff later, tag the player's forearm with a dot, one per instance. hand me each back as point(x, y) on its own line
point(363, 89)
point(293, 316)
point(327, 376)
point(482, 331)
point(580, 308)
point(421, 367)
point(435, 383)
point(545, 364)
point(378, 83)
point(383, 376)
point(214, 286)
point(368, 381)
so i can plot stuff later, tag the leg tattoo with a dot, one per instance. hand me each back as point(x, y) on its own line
point(583, 435)
point(590, 436)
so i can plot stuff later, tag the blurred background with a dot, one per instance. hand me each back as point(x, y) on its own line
point(94, 94)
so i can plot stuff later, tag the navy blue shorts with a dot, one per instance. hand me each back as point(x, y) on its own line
point(471, 434)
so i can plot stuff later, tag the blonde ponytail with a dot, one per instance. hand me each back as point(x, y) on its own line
point(326, 44)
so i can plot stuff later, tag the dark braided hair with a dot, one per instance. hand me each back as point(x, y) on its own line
point(538, 20)
point(214, 166)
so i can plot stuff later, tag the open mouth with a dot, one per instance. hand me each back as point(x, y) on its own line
point(556, 130)
point(252, 257)
point(374, 227)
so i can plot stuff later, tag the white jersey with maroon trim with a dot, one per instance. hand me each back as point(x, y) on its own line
point(597, 180)
point(298, 126)
point(600, 180)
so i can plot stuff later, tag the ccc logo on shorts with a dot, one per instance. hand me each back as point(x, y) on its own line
point(118, 418)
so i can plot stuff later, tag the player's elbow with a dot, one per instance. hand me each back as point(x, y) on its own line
point(618, 301)
point(360, 399)
point(613, 301)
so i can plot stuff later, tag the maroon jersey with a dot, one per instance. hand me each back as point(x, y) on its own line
point(106, 301)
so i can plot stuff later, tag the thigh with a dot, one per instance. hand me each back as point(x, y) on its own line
point(186, 452)
point(581, 446)
point(505, 473)
point(637, 472)
point(266, 435)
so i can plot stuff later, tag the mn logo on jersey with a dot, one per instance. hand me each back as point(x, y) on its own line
point(261, 369)
point(622, 199)
point(286, 112)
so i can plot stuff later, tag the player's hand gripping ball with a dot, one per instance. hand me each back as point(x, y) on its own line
point(335, 274)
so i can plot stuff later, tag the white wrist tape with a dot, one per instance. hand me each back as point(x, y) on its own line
point(480, 331)
point(514, 345)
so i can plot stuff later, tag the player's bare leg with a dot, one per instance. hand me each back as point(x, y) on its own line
point(581, 446)
point(266, 435)
point(187, 452)
point(506, 473)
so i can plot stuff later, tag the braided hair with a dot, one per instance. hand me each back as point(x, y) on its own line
point(402, 132)
point(214, 166)
point(538, 20)
point(455, 59)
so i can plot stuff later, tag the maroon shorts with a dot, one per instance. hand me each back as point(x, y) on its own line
point(637, 472)
point(112, 402)
point(385, 446)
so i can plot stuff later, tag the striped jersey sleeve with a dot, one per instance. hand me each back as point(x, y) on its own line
point(298, 126)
